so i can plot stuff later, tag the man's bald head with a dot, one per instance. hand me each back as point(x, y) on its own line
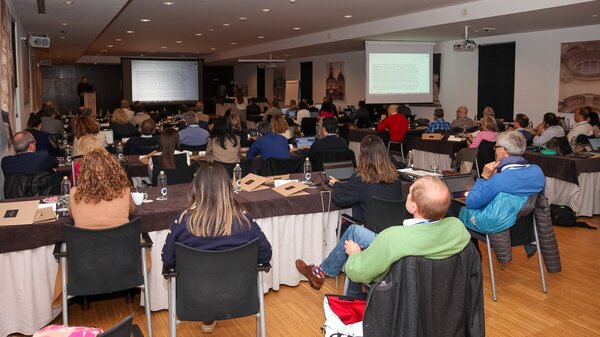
point(23, 141)
point(431, 197)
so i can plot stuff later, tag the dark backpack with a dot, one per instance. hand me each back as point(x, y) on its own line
point(564, 216)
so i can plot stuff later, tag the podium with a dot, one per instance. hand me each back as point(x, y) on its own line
point(89, 100)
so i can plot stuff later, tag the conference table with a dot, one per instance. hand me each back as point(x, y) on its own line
point(571, 181)
point(426, 152)
point(300, 226)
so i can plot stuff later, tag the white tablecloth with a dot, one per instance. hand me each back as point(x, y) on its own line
point(584, 198)
point(424, 160)
point(28, 277)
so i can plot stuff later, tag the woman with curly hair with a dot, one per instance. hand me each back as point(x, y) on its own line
point(84, 126)
point(102, 185)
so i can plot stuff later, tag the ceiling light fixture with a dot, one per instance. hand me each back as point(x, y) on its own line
point(211, 30)
point(62, 37)
point(69, 2)
point(168, 3)
point(110, 46)
point(242, 18)
point(260, 37)
point(233, 43)
point(104, 50)
point(296, 28)
point(212, 48)
point(348, 16)
point(145, 20)
point(163, 47)
point(178, 41)
point(130, 31)
point(198, 34)
point(292, 1)
point(64, 24)
point(118, 40)
point(594, 15)
point(226, 25)
point(266, 10)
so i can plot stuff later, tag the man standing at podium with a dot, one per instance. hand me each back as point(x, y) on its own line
point(82, 88)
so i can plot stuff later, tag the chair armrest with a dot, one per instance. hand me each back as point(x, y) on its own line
point(147, 243)
point(169, 273)
point(265, 267)
point(57, 253)
point(351, 219)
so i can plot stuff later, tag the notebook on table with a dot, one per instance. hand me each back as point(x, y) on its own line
point(459, 186)
point(340, 170)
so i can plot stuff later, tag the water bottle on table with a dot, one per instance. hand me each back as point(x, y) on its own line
point(120, 151)
point(237, 178)
point(307, 171)
point(162, 186)
point(62, 206)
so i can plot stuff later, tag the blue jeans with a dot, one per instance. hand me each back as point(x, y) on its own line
point(334, 262)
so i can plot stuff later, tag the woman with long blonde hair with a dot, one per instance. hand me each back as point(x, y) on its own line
point(213, 220)
point(120, 125)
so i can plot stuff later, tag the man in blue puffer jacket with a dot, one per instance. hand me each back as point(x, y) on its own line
point(503, 188)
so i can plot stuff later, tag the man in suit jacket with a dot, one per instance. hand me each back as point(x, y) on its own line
point(144, 144)
point(26, 161)
point(330, 141)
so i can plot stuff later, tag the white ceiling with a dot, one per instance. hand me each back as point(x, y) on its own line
point(93, 26)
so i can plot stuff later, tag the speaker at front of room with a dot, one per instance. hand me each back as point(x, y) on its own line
point(39, 42)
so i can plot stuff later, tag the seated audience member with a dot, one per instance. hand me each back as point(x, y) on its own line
point(361, 116)
point(302, 113)
point(139, 117)
point(293, 105)
point(438, 124)
point(128, 112)
point(314, 112)
point(462, 121)
point(252, 108)
point(213, 220)
point(549, 128)
point(193, 134)
point(520, 124)
point(169, 150)
point(327, 110)
point(395, 123)
point(280, 126)
point(273, 111)
point(84, 126)
point(595, 123)
point(504, 186)
point(102, 185)
point(224, 145)
point(269, 144)
point(489, 111)
point(42, 138)
point(239, 128)
point(27, 161)
point(120, 125)
point(145, 143)
point(367, 256)
point(330, 141)
point(87, 144)
point(582, 126)
point(488, 132)
point(203, 119)
point(49, 122)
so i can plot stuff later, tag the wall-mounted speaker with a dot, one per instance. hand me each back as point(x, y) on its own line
point(39, 41)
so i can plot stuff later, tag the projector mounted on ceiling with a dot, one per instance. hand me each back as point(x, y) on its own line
point(466, 44)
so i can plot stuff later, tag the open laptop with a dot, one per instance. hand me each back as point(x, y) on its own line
point(110, 139)
point(459, 185)
point(562, 147)
point(290, 113)
point(302, 142)
point(595, 144)
point(340, 170)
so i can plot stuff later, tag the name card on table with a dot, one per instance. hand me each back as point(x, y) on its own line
point(253, 182)
point(271, 179)
point(291, 189)
point(431, 136)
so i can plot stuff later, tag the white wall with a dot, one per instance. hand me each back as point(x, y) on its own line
point(537, 72)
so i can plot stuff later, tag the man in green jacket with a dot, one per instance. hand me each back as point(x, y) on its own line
point(369, 256)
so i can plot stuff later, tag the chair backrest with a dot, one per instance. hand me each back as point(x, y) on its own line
point(276, 166)
point(123, 329)
point(426, 297)
point(485, 154)
point(382, 213)
point(216, 285)
point(185, 147)
point(44, 183)
point(582, 139)
point(308, 126)
point(104, 260)
point(246, 166)
point(331, 156)
point(181, 174)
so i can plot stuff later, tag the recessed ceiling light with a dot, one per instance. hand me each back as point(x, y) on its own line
point(242, 18)
point(104, 50)
point(198, 34)
point(212, 48)
point(594, 15)
point(62, 37)
point(233, 43)
point(296, 28)
point(226, 25)
point(130, 31)
point(348, 16)
point(145, 20)
point(163, 47)
point(141, 54)
point(292, 1)
point(168, 3)
point(110, 46)
point(211, 30)
point(178, 41)
point(266, 10)
point(69, 2)
point(260, 37)
point(64, 24)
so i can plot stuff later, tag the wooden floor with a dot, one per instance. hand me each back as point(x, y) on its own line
point(570, 308)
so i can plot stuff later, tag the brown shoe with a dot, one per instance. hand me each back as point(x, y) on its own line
point(315, 282)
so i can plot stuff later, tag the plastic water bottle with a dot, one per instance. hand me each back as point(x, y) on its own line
point(162, 185)
point(120, 151)
point(307, 171)
point(65, 186)
point(62, 207)
point(65, 139)
point(237, 178)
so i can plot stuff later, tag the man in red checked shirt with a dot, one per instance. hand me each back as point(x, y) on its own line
point(394, 122)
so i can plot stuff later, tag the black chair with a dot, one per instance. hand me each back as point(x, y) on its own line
point(181, 174)
point(139, 145)
point(123, 329)
point(185, 147)
point(308, 126)
point(330, 157)
point(276, 166)
point(428, 298)
point(22, 186)
point(485, 154)
point(103, 261)
point(583, 139)
point(216, 285)
point(246, 166)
